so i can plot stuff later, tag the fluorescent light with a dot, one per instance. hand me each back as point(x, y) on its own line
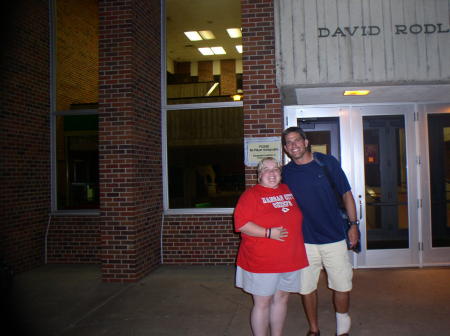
point(206, 51)
point(207, 34)
point(239, 49)
point(218, 50)
point(234, 32)
point(356, 92)
point(212, 51)
point(213, 87)
point(193, 36)
point(200, 35)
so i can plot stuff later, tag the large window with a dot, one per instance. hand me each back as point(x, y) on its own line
point(204, 118)
point(75, 117)
point(77, 161)
point(205, 157)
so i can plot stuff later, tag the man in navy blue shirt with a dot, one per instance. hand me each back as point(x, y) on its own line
point(322, 225)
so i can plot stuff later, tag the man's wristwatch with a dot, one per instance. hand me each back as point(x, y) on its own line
point(355, 222)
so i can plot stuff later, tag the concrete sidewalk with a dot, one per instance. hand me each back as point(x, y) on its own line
point(71, 300)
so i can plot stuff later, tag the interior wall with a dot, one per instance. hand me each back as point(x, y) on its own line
point(205, 71)
point(77, 53)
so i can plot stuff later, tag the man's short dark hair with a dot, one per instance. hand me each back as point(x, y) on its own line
point(292, 129)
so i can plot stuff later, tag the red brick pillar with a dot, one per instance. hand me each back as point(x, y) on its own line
point(130, 138)
point(263, 115)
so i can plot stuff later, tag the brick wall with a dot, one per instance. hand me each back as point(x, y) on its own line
point(263, 115)
point(73, 240)
point(199, 240)
point(129, 141)
point(130, 138)
point(24, 133)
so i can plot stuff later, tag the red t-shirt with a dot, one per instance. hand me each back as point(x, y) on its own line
point(268, 207)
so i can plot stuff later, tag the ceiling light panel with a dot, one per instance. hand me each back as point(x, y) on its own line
point(239, 49)
point(206, 51)
point(218, 50)
point(207, 34)
point(234, 32)
point(193, 36)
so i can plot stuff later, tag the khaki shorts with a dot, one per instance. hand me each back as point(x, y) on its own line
point(267, 284)
point(334, 258)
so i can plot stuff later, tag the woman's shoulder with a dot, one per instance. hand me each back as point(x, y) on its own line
point(252, 192)
point(247, 197)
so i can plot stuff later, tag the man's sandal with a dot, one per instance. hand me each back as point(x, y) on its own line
point(313, 333)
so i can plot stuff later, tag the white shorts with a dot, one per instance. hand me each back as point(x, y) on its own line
point(267, 284)
point(334, 258)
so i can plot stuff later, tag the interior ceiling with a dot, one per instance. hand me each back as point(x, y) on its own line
point(214, 15)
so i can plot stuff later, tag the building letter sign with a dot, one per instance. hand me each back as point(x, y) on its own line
point(414, 29)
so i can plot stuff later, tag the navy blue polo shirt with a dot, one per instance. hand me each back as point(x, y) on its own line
point(322, 223)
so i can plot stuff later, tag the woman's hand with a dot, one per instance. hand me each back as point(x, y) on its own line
point(254, 230)
point(278, 233)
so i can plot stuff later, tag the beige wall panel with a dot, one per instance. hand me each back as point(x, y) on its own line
point(283, 22)
point(388, 44)
point(363, 41)
point(332, 44)
point(443, 14)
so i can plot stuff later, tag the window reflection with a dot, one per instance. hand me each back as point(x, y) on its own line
point(205, 157)
point(77, 162)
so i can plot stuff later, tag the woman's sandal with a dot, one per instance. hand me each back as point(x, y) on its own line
point(313, 333)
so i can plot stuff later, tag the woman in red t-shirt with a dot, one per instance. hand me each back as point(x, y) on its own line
point(272, 251)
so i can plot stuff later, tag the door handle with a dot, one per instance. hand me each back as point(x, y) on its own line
point(360, 206)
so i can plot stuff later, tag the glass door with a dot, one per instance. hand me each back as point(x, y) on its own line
point(435, 121)
point(387, 166)
point(376, 148)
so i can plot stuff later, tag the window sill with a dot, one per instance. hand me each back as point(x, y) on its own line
point(81, 212)
point(200, 211)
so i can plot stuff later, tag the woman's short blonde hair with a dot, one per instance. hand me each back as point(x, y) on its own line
point(261, 164)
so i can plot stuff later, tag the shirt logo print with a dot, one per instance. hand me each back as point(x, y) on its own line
point(281, 201)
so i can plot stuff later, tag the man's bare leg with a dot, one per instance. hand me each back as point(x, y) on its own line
point(341, 302)
point(310, 306)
